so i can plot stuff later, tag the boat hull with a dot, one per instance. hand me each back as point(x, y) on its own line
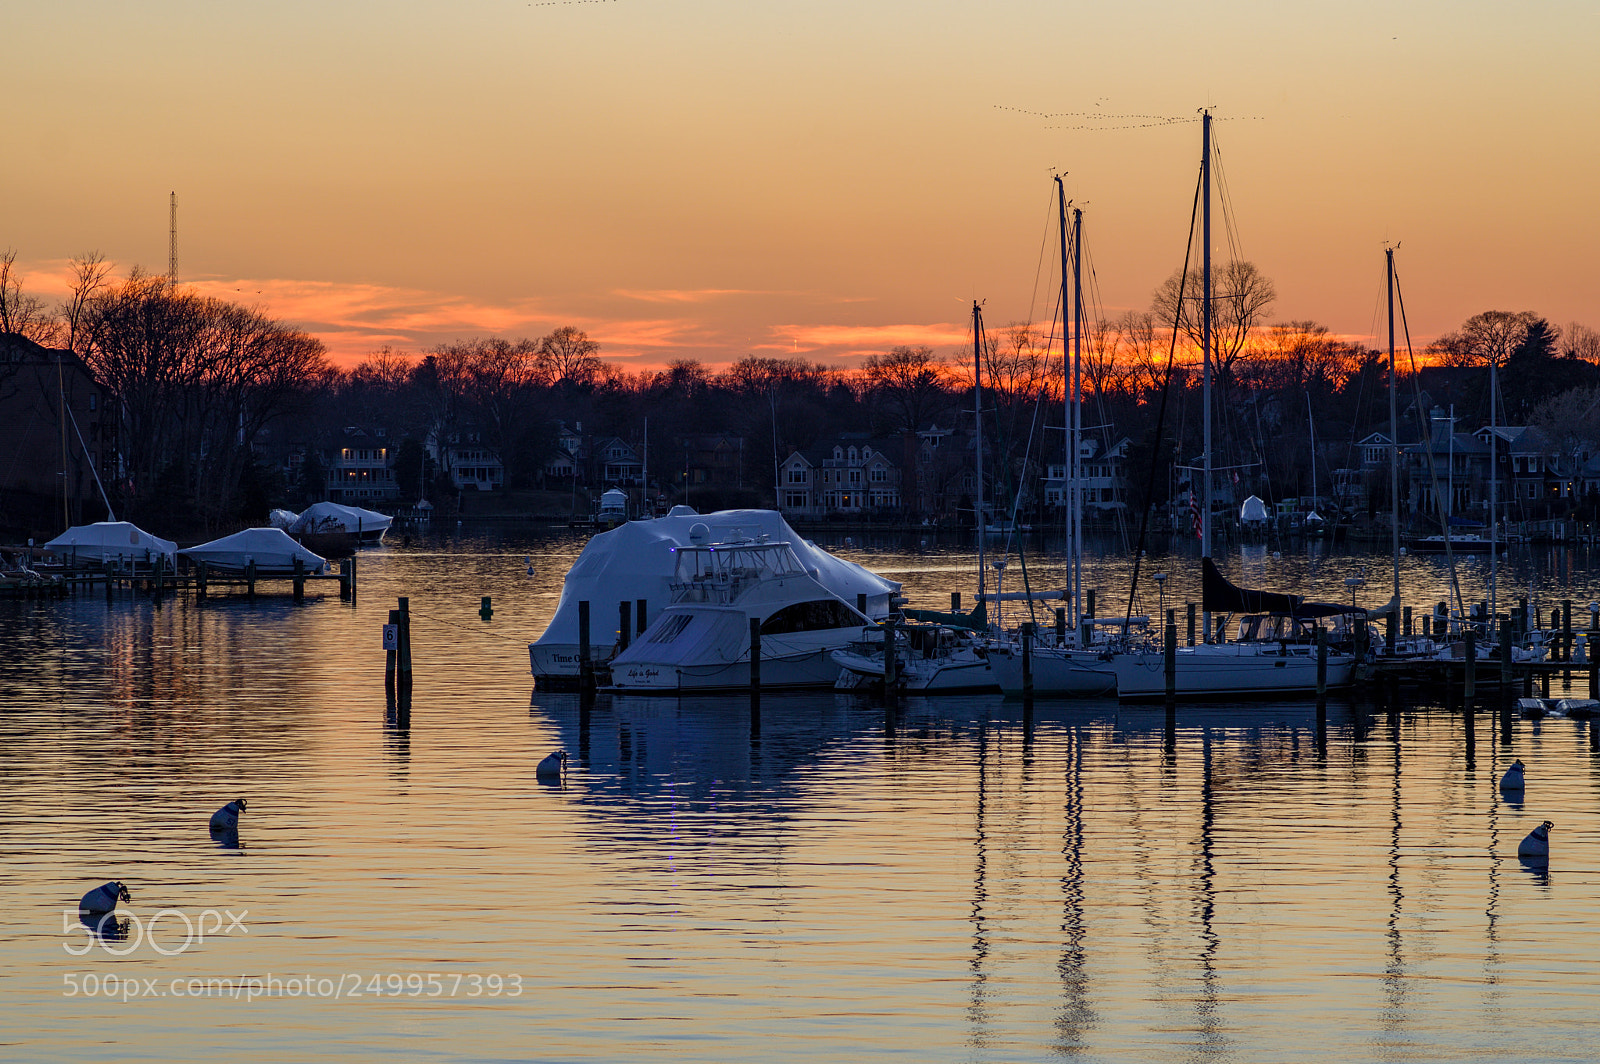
point(1234, 670)
point(791, 672)
point(966, 675)
point(1057, 673)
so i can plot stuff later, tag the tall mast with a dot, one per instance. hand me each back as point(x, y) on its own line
point(1077, 418)
point(1205, 341)
point(1070, 467)
point(977, 434)
point(1311, 424)
point(1394, 443)
point(1494, 484)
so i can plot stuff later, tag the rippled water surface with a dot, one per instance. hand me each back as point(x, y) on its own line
point(943, 884)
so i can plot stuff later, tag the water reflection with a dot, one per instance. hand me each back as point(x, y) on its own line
point(961, 877)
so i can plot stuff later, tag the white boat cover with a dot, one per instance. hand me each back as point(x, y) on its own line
point(270, 548)
point(111, 539)
point(332, 517)
point(636, 561)
point(1253, 510)
point(283, 519)
point(614, 501)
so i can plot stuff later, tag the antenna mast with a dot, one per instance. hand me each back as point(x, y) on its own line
point(172, 240)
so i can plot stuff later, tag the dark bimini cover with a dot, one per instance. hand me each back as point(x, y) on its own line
point(1217, 595)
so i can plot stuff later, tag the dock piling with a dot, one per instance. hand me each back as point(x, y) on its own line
point(403, 660)
point(891, 689)
point(1470, 688)
point(299, 580)
point(755, 676)
point(1322, 669)
point(624, 623)
point(390, 656)
point(1027, 662)
point(1171, 661)
point(639, 611)
point(1061, 626)
point(585, 666)
point(1191, 624)
point(250, 579)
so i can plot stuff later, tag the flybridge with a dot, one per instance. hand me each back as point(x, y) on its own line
point(721, 572)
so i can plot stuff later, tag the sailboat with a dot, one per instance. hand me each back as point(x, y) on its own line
point(1067, 668)
point(949, 654)
point(1245, 667)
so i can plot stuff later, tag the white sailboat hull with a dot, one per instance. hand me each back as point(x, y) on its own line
point(964, 672)
point(1237, 669)
point(1056, 672)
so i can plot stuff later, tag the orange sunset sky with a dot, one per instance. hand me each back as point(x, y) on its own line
point(710, 179)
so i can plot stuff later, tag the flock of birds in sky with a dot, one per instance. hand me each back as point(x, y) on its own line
point(98, 907)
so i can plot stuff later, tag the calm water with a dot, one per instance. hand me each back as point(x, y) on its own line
point(948, 889)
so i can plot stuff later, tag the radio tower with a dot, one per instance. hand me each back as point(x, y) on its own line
point(172, 243)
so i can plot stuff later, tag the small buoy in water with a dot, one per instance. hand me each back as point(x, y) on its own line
point(1536, 847)
point(1512, 780)
point(227, 818)
point(1402, 551)
point(530, 564)
point(551, 767)
point(1277, 555)
point(104, 898)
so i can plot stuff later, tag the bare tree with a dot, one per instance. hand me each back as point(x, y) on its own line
point(569, 356)
point(911, 382)
point(1580, 341)
point(1241, 299)
point(89, 279)
point(1485, 339)
point(20, 313)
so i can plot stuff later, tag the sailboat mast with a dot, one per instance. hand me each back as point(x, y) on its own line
point(1205, 342)
point(1312, 426)
point(1070, 467)
point(1205, 330)
point(977, 434)
point(1394, 440)
point(1494, 484)
point(1077, 418)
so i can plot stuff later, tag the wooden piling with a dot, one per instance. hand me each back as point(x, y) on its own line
point(861, 603)
point(1566, 629)
point(1088, 609)
point(1172, 656)
point(200, 579)
point(639, 614)
point(585, 666)
point(1322, 667)
point(1470, 687)
point(755, 674)
point(403, 663)
point(1191, 624)
point(1027, 661)
point(624, 623)
point(391, 655)
point(299, 579)
point(891, 688)
point(1406, 622)
point(1061, 626)
point(250, 579)
point(351, 562)
point(955, 602)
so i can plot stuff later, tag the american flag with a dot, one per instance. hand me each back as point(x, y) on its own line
point(1194, 514)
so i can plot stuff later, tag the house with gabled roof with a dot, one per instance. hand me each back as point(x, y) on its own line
point(852, 474)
